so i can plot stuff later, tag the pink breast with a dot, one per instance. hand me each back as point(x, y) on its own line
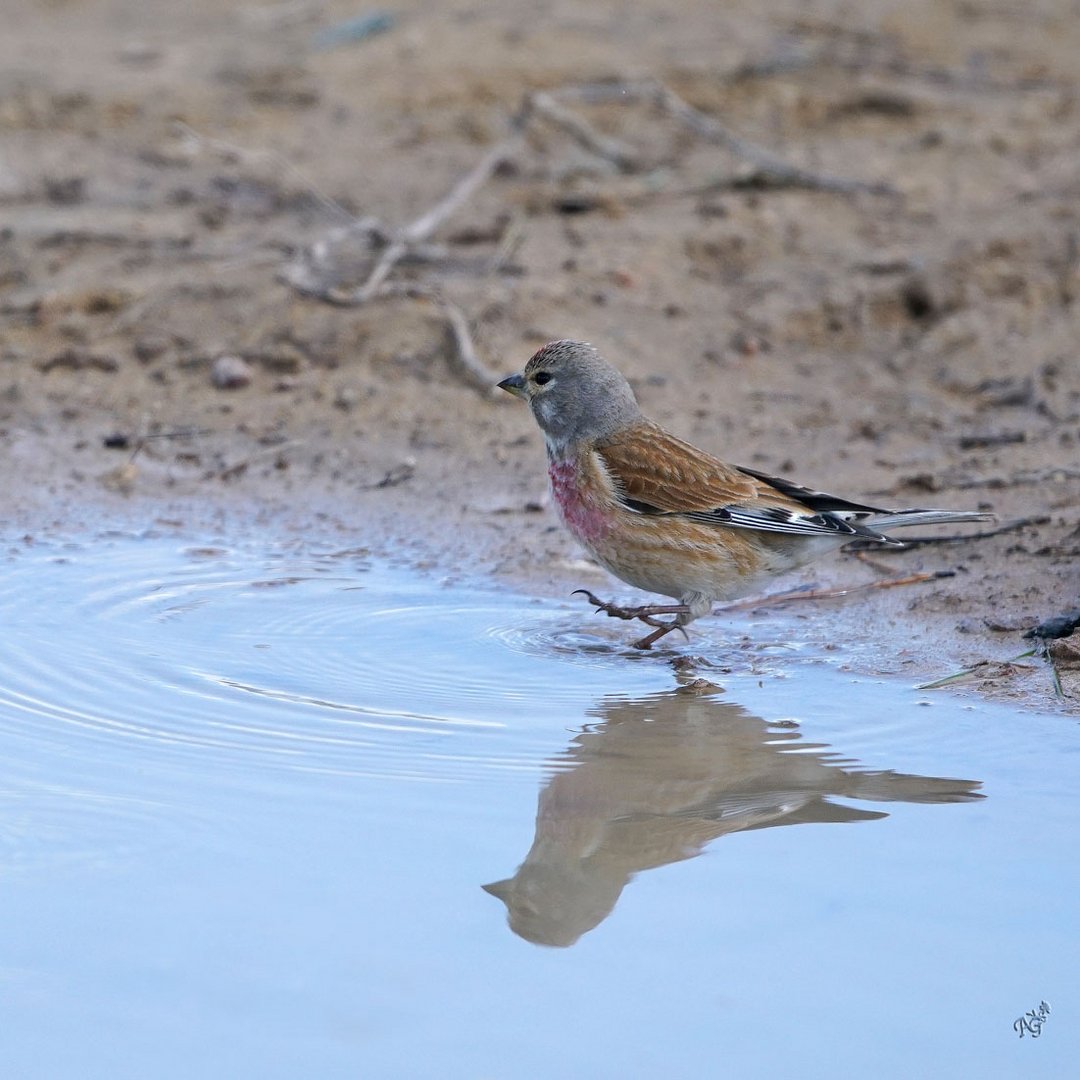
point(577, 505)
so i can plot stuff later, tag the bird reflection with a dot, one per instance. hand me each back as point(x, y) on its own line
point(656, 780)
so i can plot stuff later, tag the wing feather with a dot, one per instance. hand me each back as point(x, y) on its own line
point(652, 467)
point(656, 473)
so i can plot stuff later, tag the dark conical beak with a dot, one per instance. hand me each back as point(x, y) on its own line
point(501, 889)
point(514, 384)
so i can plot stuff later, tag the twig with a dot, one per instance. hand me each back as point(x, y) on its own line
point(767, 163)
point(466, 357)
point(123, 442)
point(427, 223)
point(706, 127)
point(413, 236)
point(314, 267)
point(230, 472)
point(828, 594)
point(874, 564)
point(399, 474)
point(471, 365)
point(613, 150)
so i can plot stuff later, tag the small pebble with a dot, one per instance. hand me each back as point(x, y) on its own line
point(150, 347)
point(230, 373)
point(346, 398)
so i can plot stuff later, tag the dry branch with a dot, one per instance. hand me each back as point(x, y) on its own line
point(468, 361)
point(831, 594)
point(769, 166)
point(412, 239)
point(422, 228)
point(613, 150)
point(317, 272)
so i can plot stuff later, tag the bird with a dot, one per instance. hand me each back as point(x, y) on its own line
point(667, 517)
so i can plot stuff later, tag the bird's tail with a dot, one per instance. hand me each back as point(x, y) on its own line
point(903, 787)
point(901, 518)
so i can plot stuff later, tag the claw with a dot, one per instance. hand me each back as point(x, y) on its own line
point(614, 611)
point(600, 605)
point(646, 613)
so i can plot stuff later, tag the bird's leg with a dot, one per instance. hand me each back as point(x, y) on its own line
point(649, 640)
point(645, 613)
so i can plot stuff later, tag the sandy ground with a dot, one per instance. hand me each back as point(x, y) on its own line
point(162, 165)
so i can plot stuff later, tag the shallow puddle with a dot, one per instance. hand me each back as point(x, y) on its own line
point(289, 812)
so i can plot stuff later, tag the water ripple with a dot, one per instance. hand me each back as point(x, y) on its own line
point(298, 659)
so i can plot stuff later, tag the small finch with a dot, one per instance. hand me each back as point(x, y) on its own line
point(663, 515)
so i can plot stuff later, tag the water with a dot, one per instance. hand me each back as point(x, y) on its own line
point(290, 812)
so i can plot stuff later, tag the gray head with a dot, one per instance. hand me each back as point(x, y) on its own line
point(574, 393)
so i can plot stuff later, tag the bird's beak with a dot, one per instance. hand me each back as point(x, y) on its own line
point(514, 384)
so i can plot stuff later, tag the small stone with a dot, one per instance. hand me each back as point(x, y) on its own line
point(746, 344)
point(150, 347)
point(346, 398)
point(1065, 654)
point(230, 373)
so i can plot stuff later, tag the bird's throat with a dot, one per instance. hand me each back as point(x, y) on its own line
point(580, 506)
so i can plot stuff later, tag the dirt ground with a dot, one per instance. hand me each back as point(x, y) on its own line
point(166, 168)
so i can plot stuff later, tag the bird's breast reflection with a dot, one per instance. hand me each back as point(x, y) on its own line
point(656, 780)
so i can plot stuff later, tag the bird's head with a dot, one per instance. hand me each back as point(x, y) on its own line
point(574, 393)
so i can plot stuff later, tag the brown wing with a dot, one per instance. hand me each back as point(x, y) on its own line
point(656, 473)
point(652, 467)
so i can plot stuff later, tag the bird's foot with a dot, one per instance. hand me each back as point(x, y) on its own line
point(646, 613)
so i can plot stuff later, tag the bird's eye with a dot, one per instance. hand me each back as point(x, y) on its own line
point(542, 377)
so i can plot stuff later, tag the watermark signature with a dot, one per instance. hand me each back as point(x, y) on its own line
point(1031, 1023)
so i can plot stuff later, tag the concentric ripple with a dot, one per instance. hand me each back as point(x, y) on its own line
point(294, 658)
